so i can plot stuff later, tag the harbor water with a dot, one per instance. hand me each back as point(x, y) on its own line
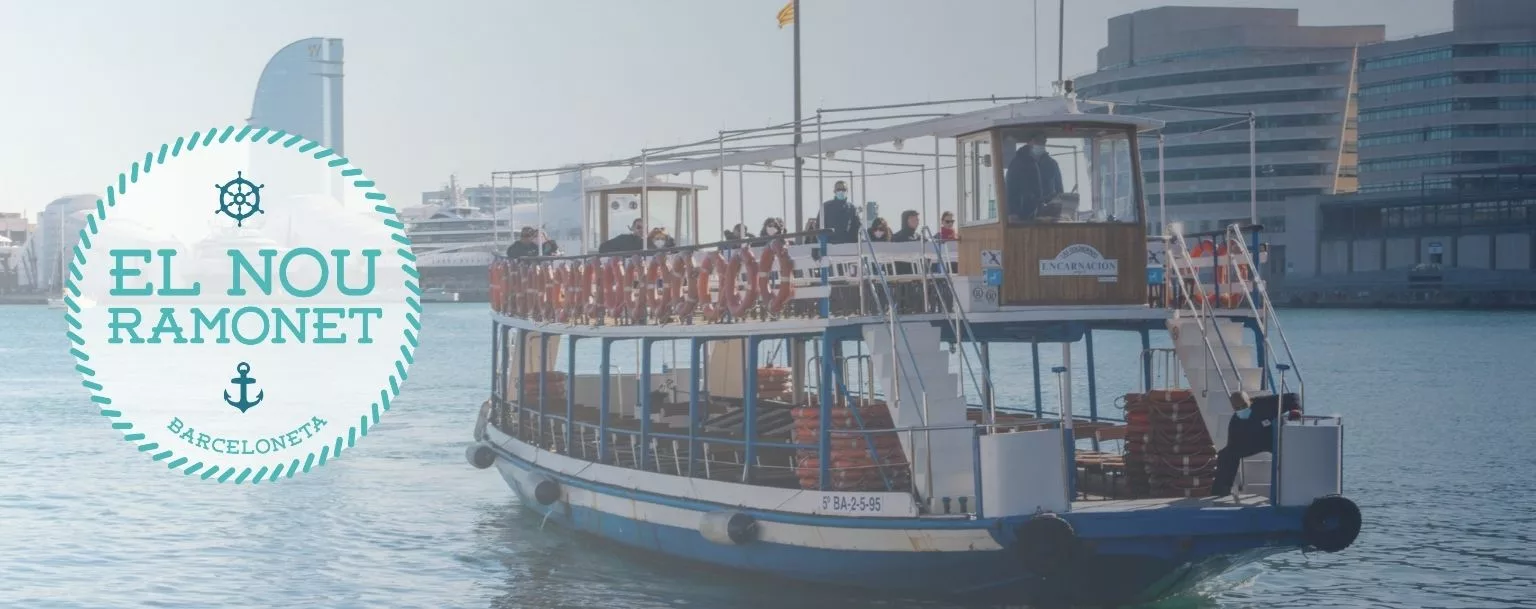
point(1437, 423)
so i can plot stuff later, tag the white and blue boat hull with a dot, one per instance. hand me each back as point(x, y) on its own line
point(1120, 556)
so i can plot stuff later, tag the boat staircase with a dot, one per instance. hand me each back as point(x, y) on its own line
point(1223, 362)
point(911, 368)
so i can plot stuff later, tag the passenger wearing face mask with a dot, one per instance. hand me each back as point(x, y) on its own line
point(1033, 179)
point(773, 228)
point(659, 239)
point(880, 231)
point(839, 216)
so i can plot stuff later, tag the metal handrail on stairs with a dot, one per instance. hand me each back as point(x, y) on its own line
point(868, 260)
point(959, 321)
point(1201, 310)
point(1264, 309)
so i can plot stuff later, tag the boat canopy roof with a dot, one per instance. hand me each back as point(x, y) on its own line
point(635, 186)
point(1034, 112)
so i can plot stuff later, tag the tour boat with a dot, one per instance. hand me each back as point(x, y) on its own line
point(836, 415)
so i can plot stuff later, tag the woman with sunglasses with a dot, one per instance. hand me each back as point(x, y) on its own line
point(947, 232)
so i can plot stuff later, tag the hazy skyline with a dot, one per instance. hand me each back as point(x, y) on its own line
point(472, 86)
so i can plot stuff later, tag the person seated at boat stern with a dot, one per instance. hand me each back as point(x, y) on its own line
point(527, 244)
point(840, 216)
point(627, 242)
point(1250, 432)
point(1033, 178)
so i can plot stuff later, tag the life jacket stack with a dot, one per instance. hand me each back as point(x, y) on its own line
point(1168, 451)
point(853, 465)
point(775, 384)
point(554, 386)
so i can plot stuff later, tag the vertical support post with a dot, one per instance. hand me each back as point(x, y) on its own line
point(938, 196)
point(1066, 385)
point(1034, 352)
point(1253, 168)
point(987, 400)
point(694, 346)
point(522, 388)
point(606, 394)
point(1260, 358)
point(570, 393)
point(749, 425)
point(1093, 386)
point(799, 185)
point(644, 378)
point(1146, 360)
point(826, 271)
point(976, 469)
point(824, 403)
point(1162, 194)
point(496, 362)
point(543, 384)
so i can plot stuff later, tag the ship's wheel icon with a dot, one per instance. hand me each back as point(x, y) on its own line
point(239, 199)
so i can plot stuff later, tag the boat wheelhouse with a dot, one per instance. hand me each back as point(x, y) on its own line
point(850, 412)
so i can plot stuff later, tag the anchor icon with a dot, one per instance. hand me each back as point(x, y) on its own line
point(244, 381)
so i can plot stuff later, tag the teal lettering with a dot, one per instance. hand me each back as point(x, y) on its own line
point(319, 283)
point(341, 272)
point(175, 425)
point(118, 272)
point(284, 320)
point(321, 326)
point(246, 339)
point(217, 322)
point(363, 313)
point(167, 325)
point(165, 275)
point(117, 324)
point(263, 279)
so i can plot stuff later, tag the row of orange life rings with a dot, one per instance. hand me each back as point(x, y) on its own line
point(637, 286)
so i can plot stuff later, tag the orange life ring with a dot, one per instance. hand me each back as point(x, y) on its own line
point(637, 299)
point(778, 252)
point(710, 308)
point(618, 289)
point(592, 276)
point(742, 262)
point(494, 272)
point(679, 276)
point(659, 286)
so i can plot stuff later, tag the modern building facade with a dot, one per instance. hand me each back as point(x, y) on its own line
point(1436, 109)
point(1298, 80)
point(300, 91)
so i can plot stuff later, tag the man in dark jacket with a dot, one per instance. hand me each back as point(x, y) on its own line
point(1250, 432)
point(1033, 179)
point(628, 242)
point(908, 230)
point(840, 216)
point(526, 245)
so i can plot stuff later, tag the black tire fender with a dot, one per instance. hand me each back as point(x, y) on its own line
point(1331, 523)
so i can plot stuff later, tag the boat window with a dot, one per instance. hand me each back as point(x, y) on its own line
point(977, 186)
point(1046, 167)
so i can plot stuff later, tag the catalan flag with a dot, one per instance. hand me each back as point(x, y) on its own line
point(787, 14)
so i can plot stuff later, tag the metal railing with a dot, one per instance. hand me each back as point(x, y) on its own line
point(1200, 310)
point(1257, 296)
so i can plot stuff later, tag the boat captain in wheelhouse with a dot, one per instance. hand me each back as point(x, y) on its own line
point(1052, 213)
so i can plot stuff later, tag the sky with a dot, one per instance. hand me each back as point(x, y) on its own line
point(468, 87)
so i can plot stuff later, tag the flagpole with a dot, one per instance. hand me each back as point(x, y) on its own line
point(799, 184)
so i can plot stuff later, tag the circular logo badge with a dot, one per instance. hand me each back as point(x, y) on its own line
point(242, 304)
